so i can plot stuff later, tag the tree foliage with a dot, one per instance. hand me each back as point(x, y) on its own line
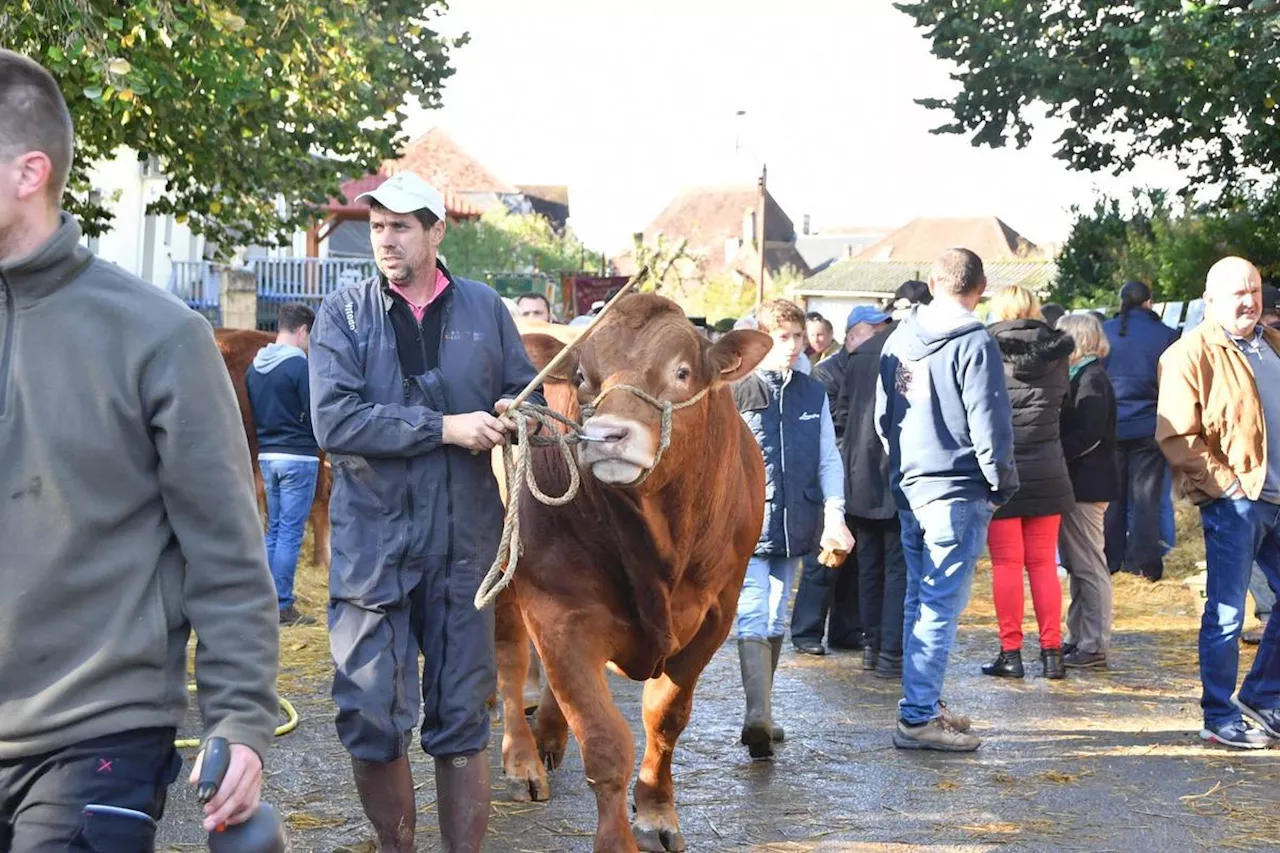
point(1196, 81)
point(254, 110)
point(1167, 244)
point(501, 242)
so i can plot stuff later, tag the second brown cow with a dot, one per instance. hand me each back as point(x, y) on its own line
point(238, 347)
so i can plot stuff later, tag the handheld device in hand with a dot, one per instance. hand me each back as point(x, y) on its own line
point(262, 833)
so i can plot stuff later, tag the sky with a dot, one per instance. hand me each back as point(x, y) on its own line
point(628, 103)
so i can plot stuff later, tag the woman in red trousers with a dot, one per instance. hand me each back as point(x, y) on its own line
point(1024, 532)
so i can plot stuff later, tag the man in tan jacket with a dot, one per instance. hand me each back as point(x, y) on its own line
point(1218, 422)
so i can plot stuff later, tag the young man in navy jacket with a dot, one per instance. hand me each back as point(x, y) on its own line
point(790, 417)
point(280, 397)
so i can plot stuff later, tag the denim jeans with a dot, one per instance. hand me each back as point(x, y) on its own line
point(290, 485)
point(1264, 598)
point(766, 592)
point(941, 542)
point(1236, 533)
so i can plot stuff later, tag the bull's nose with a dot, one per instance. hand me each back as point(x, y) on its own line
point(606, 432)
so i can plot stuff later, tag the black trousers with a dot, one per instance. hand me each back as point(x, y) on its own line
point(827, 602)
point(1136, 548)
point(882, 581)
point(104, 795)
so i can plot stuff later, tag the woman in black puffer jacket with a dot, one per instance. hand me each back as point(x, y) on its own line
point(1024, 532)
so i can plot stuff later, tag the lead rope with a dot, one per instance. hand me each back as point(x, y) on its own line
point(519, 472)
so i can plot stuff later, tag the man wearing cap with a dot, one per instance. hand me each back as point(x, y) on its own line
point(407, 370)
point(881, 567)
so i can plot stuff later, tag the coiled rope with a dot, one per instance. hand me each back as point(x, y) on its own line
point(520, 473)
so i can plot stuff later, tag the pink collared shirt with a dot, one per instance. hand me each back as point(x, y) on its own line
point(420, 311)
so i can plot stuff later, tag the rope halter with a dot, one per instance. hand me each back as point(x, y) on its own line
point(667, 408)
point(520, 472)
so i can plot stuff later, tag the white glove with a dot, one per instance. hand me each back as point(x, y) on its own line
point(835, 533)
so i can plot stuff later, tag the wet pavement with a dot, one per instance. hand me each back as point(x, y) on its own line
point(1107, 760)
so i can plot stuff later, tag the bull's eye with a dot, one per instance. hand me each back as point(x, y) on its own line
point(683, 373)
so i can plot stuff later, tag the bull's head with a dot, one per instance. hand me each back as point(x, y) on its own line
point(646, 355)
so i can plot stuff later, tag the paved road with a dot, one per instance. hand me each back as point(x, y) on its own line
point(1104, 761)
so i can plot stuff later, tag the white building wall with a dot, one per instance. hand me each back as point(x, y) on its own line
point(836, 308)
point(146, 246)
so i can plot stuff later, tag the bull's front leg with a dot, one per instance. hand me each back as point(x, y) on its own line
point(576, 673)
point(526, 777)
point(668, 702)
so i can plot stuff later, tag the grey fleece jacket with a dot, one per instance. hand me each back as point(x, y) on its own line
point(127, 514)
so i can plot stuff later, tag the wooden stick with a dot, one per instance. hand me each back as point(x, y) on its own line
point(586, 333)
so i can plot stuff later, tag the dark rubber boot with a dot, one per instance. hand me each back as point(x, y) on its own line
point(1052, 663)
point(775, 647)
point(462, 801)
point(1006, 665)
point(386, 792)
point(755, 656)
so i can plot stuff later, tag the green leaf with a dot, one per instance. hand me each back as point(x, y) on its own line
point(55, 53)
point(116, 24)
point(93, 93)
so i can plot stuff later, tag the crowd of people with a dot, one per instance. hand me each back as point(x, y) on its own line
point(927, 437)
point(1045, 438)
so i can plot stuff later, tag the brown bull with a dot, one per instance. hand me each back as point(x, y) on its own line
point(238, 347)
point(641, 572)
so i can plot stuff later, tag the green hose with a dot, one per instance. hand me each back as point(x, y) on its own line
point(290, 723)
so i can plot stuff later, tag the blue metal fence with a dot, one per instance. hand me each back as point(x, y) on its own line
point(280, 280)
point(196, 283)
point(307, 280)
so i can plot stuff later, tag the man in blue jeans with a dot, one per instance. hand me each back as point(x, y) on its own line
point(943, 414)
point(1218, 422)
point(280, 397)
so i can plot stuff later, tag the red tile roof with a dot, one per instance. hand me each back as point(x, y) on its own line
point(457, 207)
point(442, 162)
point(924, 238)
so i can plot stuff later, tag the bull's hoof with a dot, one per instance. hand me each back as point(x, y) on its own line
point(552, 755)
point(659, 840)
point(534, 789)
point(551, 745)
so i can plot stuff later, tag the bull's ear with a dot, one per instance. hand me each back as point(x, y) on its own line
point(737, 354)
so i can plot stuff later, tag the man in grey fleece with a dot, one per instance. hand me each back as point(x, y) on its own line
point(943, 414)
point(128, 518)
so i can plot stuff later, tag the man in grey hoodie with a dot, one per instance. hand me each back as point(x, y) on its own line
point(128, 520)
point(943, 414)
